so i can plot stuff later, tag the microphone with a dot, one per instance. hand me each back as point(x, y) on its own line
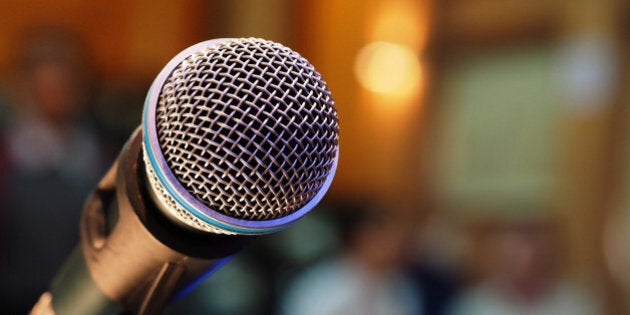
point(239, 137)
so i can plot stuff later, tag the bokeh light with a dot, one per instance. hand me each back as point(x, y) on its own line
point(388, 68)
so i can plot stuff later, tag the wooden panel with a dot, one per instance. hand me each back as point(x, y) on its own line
point(124, 35)
point(102, 23)
point(474, 22)
point(158, 30)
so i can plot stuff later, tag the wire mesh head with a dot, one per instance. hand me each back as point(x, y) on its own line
point(248, 128)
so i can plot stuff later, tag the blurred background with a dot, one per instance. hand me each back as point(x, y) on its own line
point(484, 150)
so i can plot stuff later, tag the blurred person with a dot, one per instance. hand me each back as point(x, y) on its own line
point(436, 263)
point(366, 278)
point(524, 278)
point(52, 159)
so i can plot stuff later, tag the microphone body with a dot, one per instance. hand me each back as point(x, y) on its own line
point(147, 260)
point(239, 138)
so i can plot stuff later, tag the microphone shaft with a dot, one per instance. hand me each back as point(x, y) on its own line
point(132, 258)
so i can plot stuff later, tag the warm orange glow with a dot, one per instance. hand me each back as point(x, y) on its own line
point(405, 22)
point(388, 68)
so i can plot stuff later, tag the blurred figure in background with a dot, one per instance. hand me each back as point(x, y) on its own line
point(52, 159)
point(366, 278)
point(524, 279)
point(437, 262)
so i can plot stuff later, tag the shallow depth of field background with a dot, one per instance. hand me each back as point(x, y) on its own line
point(462, 121)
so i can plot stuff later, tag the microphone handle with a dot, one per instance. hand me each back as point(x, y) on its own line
point(74, 292)
point(131, 258)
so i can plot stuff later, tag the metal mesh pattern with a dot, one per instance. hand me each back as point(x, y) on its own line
point(175, 209)
point(249, 128)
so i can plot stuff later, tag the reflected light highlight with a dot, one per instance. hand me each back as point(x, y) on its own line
point(388, 68)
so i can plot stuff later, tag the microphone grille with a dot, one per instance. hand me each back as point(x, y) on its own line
point(248, 127)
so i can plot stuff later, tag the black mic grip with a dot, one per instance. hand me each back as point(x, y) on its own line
point(131, 258)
